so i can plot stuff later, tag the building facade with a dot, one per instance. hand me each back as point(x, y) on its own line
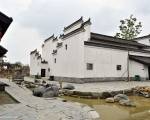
point(79, 55)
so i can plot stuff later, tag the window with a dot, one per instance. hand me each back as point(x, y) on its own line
point(118, 67)
point(66, 46)
point(55, 60)
point(89, 66)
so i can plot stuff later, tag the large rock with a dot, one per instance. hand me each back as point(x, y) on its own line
point(69, 87)
point(127, 103)
point(47, 91)
point(105, 95)
point(145, 94)
point(49, 94)
point(110, 100)
point(39, 91)
point(120, 97)
point(51, 91)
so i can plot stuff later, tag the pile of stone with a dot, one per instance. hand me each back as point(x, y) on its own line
point(122, 99)
point(69, 87)
point(47, 91)
point(95, 95)
point(142, 91)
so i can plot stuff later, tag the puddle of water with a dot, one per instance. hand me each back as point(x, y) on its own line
point(6, 98)
point(114, 111)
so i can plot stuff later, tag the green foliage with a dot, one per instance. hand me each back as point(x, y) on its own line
point(129, 28)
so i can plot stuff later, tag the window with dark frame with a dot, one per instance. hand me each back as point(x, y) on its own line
point(55, 60)
point(118, 67)
point(89, 66)
point(66, 46)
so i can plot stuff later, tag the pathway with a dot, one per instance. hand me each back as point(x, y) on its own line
point(35, 108)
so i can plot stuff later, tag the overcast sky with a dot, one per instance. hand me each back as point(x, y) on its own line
point(36, 20)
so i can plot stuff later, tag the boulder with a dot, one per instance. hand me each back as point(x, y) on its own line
point(69, 87)
point(145, 94)
point(110, 100)
point(127, 103)
point(105, 95)
point(39, 91)
point(49, 94)
point(51, 91)
point(120, 97)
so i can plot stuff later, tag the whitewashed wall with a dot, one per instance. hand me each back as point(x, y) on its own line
point(35, 65)
point(138, 69)
point(69, 63)
point(104, 62)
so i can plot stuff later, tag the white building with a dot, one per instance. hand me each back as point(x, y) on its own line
point(78, 55)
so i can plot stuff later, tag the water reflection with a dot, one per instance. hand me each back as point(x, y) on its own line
point(113, 111)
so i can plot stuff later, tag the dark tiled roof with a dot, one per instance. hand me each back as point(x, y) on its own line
point(87, 22)
point(73, 32)
point(5, 21)
point(34, 51)
point(114, 40)
point(139, 38)
point(114, 46)
point(4, 18)
point(49, 38)
point(140, 59)
point(99, 40)
point(55, 39)
point(44, 62)
point(3, 51)
point(39, 57)
point(74, 23)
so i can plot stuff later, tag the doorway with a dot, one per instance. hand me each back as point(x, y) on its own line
point(149, 72)
point(43, 71)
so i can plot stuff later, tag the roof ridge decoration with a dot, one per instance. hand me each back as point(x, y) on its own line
point(73, 32)
point(61, 35)
point(74, 23)
point(52, 36)
point(34, 51)
point(87, 22)
point(55, 39)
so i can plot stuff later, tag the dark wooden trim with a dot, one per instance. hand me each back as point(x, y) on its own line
point(96, 44)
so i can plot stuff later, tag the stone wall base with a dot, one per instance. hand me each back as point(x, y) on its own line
point(90, 80)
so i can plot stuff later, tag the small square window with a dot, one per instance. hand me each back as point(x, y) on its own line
point(55, 60)
point(89, 66)
point(66, 46)
point(118, 67)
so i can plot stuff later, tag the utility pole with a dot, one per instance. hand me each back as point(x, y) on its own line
point(128, 67)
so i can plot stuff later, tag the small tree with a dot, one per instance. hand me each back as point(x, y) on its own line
point(129, 28)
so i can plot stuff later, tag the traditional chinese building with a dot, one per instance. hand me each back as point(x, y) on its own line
point(79, 55)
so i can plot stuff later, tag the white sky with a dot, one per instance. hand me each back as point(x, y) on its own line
point(36, 20)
